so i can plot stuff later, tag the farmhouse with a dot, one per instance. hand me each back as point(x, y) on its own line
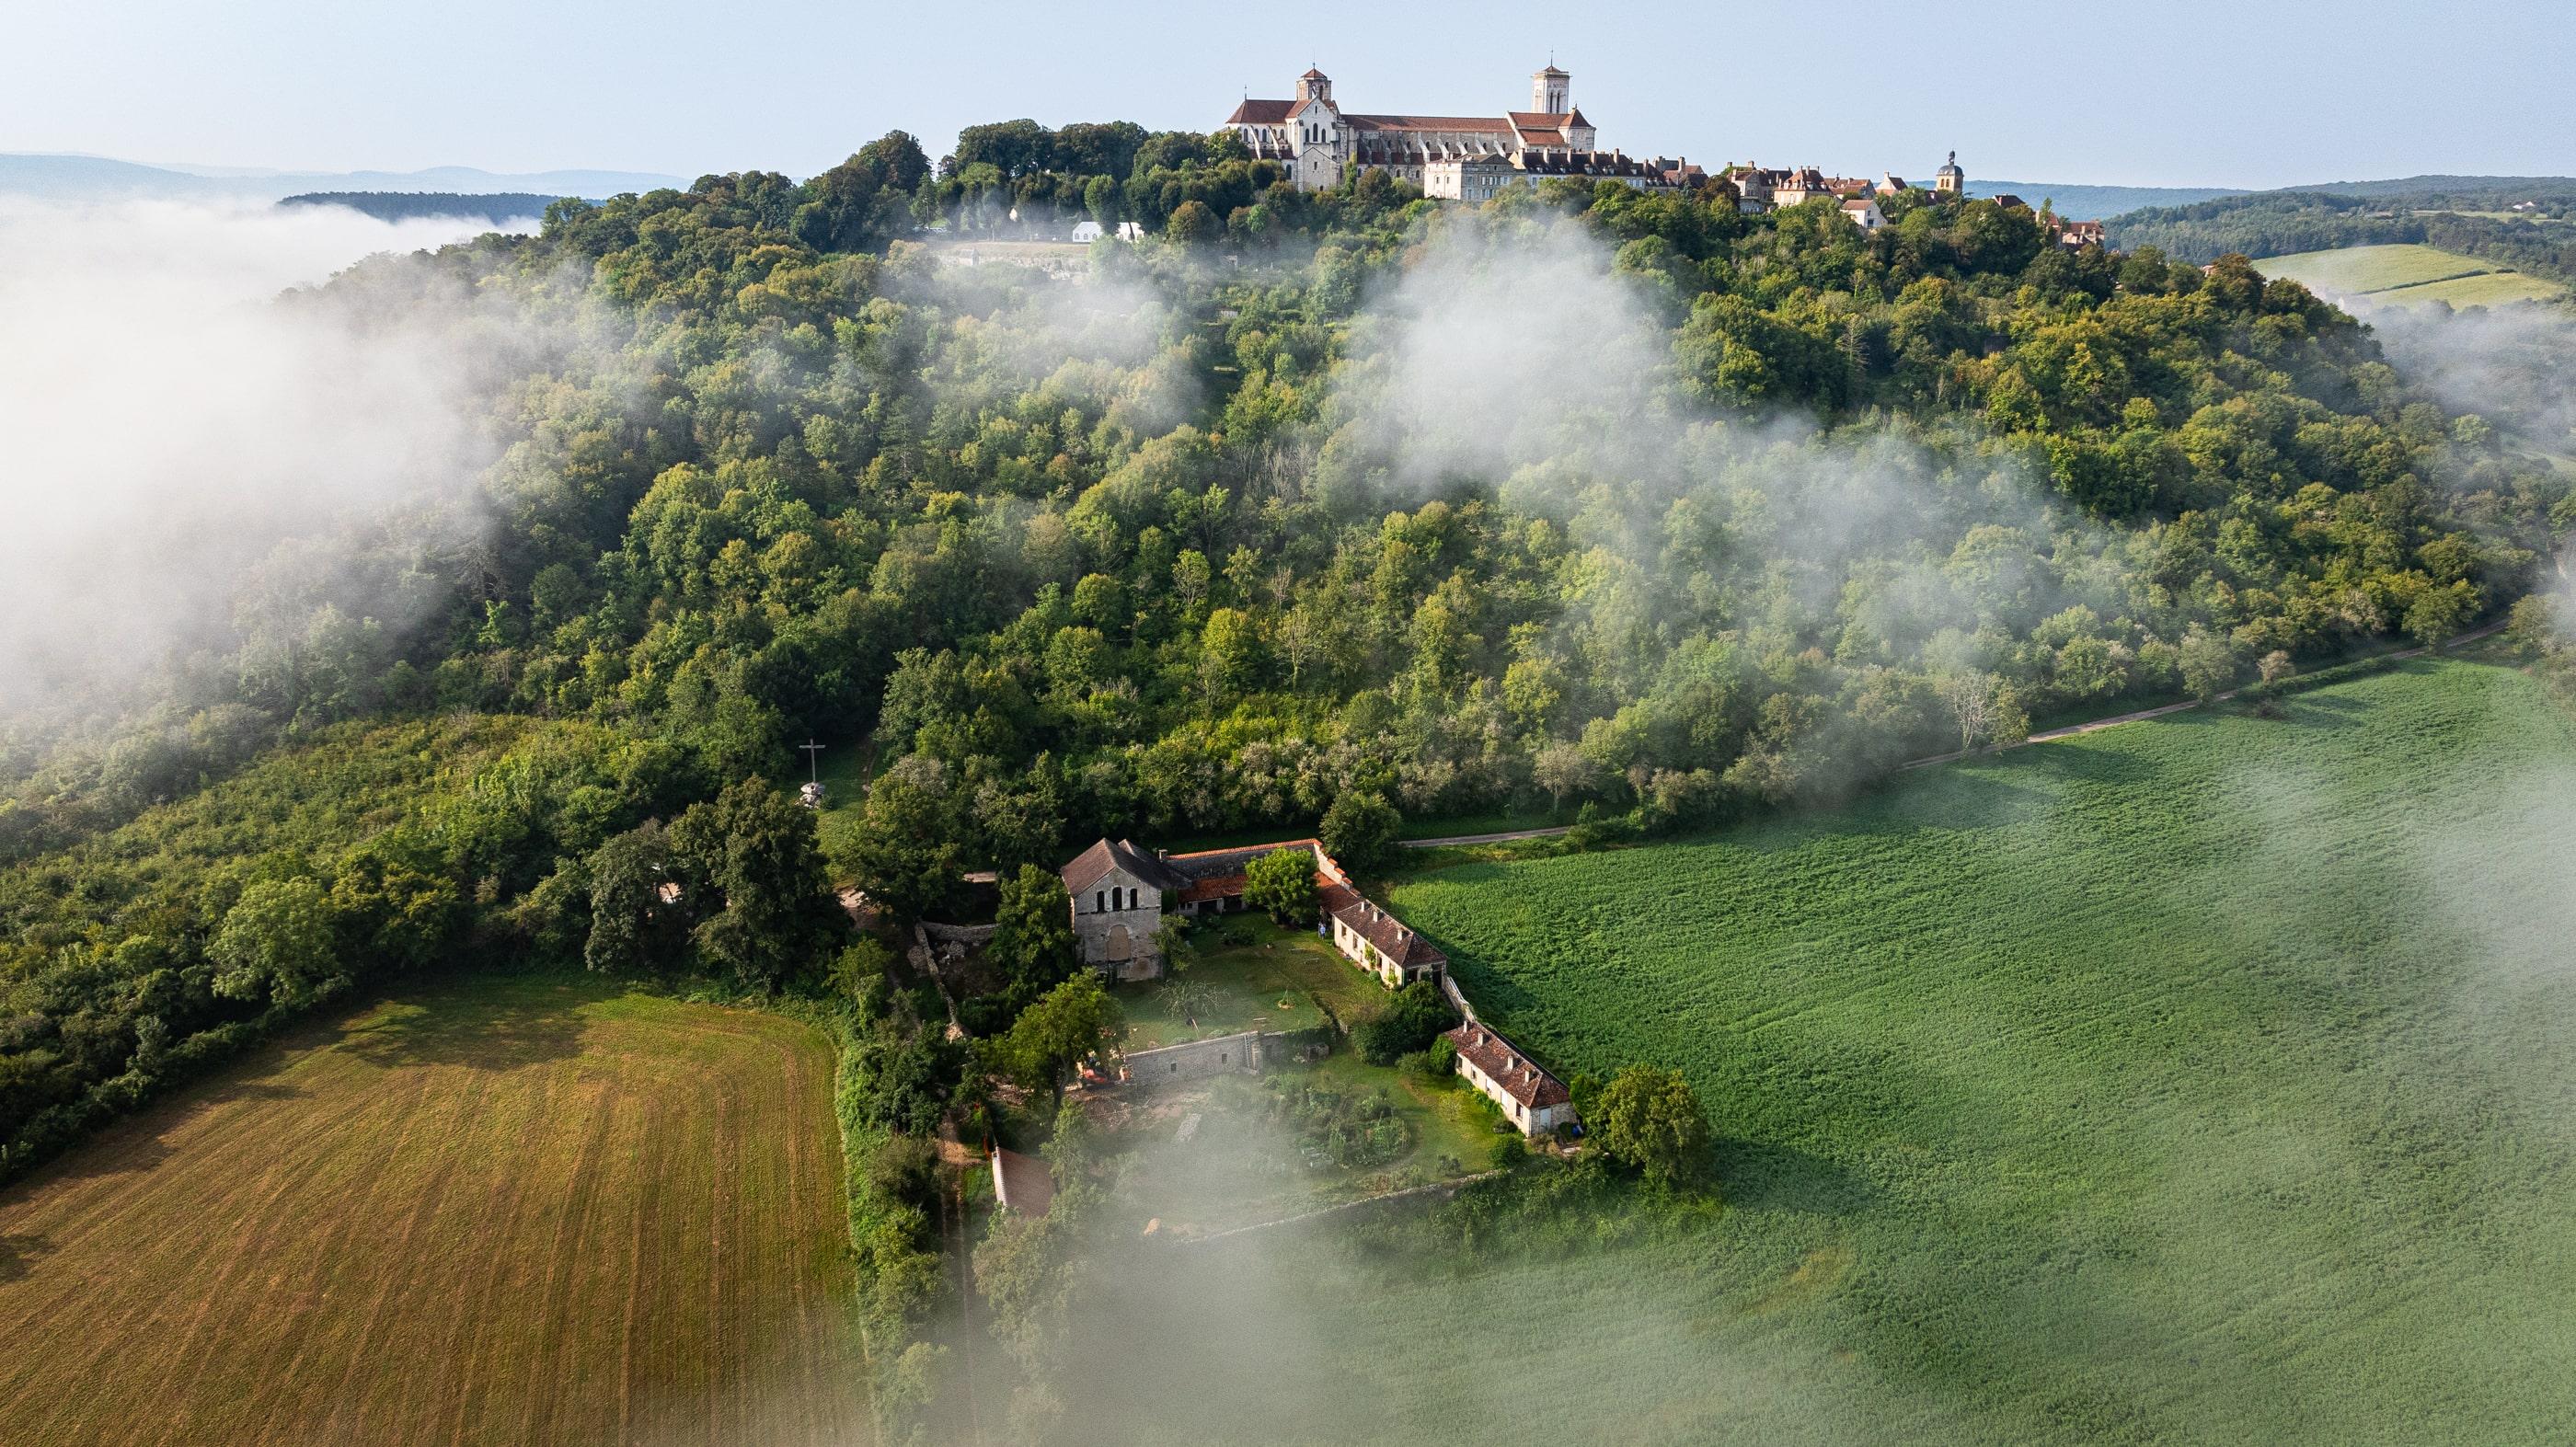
point(1531, 1098)
point(1119, 893)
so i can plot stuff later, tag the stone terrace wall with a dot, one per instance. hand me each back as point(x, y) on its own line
point(1199, 1059)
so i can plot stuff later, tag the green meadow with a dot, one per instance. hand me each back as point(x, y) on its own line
point(2408, 275)
point(2200, 1080)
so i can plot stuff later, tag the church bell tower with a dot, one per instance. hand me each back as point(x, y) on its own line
point(1551, 92)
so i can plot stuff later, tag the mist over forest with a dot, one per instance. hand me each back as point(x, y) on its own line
point(382, 596)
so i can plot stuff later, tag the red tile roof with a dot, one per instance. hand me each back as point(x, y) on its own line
point(1392, 936)
point(1260, 113)
point(1428, 123)
point(1517, 1074)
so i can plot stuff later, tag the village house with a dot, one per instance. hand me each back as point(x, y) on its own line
point(1119, 893)
point(1530, 1098)
point(1864, 212)
point(2079, 233)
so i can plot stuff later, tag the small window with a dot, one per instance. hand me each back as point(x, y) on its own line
point(1099, 902)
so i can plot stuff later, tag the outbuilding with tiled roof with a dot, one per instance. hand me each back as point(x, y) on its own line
point(1530, 1098)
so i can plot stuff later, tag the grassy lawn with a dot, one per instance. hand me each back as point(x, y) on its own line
point(2493, 289)
point(496, 1209)
point(2202, 1080)
point(1250, 969)
point(1243, 1160)
point(2407, 275)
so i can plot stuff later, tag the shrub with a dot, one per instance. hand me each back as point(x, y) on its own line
point(1281, 883)
point(1412, 1019)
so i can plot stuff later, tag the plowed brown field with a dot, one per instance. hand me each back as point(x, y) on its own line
point(493, 1210)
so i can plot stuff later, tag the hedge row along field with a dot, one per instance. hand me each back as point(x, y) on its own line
point(2205, 1079)
point(499, 1209)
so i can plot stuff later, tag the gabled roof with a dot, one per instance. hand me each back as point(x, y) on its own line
point(1548, 120)
point(1094, 864)
point(1260, 113)
point(1312, 74)
point(1392, 936)
point(1517, 1074)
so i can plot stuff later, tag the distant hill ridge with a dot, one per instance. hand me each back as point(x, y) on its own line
point(90, 178)
point(495, 207)
point(2083, 201)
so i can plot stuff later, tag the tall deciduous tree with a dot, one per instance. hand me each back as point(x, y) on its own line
point(757, 851)
point(276, 939)
point(1649, 1119)
point(909, 848)
point(628, 915)
point(1282, 884)
point(1033, 932)
point(1051, 1036)
point(1359, 830)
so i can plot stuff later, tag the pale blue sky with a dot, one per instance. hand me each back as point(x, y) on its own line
point(2227, 92)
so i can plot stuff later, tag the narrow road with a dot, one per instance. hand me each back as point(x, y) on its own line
point(2068, 732)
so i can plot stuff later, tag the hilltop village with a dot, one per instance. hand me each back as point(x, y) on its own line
point(1318, 145)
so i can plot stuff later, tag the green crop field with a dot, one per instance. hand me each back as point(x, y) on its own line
point(495, 1210)
point(2201, 1080)
point(2407, 275)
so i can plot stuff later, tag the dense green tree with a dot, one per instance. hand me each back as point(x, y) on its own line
point(1359, 830)
point(1033, 932)
point(1053, 1035)
point(276, 941)
point(756, 850)
point(2209, 665)
point(1412, 1018)
point(910, 846)
point(1648, 1118)
point(1281, 883)
point(629, 918)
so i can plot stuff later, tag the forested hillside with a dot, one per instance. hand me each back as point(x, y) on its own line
point(1586, 497)
point(2475, 222)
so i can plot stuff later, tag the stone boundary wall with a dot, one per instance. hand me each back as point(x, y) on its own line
point(960, 934)
point(1457, 998)
point(1199, 1059)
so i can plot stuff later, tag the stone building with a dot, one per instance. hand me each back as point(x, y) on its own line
point(1465, 158)
point(1531, 1098)
point(1120, 892)
point(1117, 891)
point(1950, 180)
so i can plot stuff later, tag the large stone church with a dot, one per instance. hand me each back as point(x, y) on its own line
point(1466, 158)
